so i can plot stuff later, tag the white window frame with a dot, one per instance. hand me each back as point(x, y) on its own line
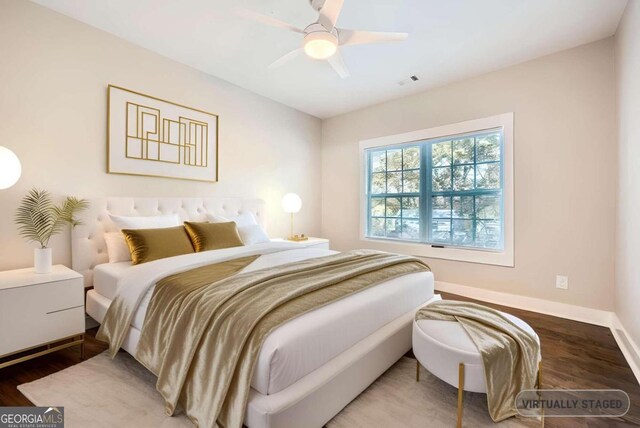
point(473, 255)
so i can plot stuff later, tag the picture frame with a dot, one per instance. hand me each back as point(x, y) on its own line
point(154, 137)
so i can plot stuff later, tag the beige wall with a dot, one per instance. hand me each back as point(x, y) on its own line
point(628, 236)
point(565, 170)
point(54, 73)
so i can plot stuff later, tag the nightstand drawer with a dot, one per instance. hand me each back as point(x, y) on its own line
point(34, 314)
point(37, 331)
point(61, 295)
point(47, 297)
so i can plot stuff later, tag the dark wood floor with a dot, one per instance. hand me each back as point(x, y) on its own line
point(574, 355)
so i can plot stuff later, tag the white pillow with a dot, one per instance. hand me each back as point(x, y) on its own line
point(248, 228)
point(241, 220)
point(252, 234)
point(117, 247)
point(245, 219)
point(149, 222)
point(217, 218)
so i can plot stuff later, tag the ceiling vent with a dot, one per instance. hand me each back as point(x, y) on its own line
point(410, 79)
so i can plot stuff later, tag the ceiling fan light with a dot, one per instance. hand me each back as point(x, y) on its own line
point(320, 45)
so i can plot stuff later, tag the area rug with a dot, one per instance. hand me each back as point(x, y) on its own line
point(397, 400)
point(101, 392)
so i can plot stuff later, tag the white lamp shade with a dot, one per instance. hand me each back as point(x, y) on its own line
point(291, 203)
point(10, 168)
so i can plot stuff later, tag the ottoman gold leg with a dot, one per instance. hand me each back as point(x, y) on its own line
point(417, 370)
point(460, 393)
point(540, 387)
point(540, 375)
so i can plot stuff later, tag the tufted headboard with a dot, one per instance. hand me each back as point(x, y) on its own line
point(88, 248)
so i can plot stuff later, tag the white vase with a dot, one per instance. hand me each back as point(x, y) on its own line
point(42, 260)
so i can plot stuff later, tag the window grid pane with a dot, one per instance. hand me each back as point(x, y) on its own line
point(394, 202)
point(462, 193)
point(475, 192)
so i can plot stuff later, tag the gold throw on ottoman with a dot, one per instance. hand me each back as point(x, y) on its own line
point(478, 349)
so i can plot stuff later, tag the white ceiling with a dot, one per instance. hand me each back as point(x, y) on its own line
point(448, 40)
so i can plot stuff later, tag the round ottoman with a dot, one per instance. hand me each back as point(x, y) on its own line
point(445, 349)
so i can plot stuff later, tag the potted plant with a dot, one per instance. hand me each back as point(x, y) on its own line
point(38, 219)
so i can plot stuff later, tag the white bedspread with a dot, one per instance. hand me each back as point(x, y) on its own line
point(304, 344)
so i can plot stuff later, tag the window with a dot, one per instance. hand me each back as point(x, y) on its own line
point(446, 190)
point(395, 193)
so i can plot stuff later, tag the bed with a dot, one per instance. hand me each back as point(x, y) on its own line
point(310, 367)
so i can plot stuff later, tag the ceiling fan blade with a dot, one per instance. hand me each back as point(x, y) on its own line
point(329, 13)
point(285, 58)
point(267, 20)
point(356, 37)
point(337, 62)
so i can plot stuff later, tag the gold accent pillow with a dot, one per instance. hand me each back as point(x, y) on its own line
point(146, 245)
point(213, 236)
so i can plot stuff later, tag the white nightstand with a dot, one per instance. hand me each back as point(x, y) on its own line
point(309, 243)
point(40, 310)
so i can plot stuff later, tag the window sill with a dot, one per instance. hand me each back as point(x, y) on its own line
point(487, 257)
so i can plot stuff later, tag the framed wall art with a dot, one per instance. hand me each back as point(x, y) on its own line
point(155, 137)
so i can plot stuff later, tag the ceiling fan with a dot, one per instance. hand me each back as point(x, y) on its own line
point(322, 38)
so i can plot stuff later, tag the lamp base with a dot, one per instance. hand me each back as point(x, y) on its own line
point(298, 238)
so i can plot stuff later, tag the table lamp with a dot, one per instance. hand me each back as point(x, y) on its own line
point(10, 168)
point(291, 203)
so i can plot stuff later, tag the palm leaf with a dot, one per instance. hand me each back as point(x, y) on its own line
point(64, 214)
point(34, 217)
point(70, 206)
point(38, 219)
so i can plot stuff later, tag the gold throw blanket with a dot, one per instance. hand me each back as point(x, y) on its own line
point(510, 354)
point(202, 337)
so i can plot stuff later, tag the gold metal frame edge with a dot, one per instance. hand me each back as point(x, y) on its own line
point(49, 350)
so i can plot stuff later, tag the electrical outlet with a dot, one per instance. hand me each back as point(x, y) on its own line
point(562, 282)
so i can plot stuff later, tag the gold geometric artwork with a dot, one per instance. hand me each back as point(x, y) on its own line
point(151, 137)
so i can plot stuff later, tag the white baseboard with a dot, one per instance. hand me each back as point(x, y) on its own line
point(547, 307)
point(608, 319)
point(629, 348)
